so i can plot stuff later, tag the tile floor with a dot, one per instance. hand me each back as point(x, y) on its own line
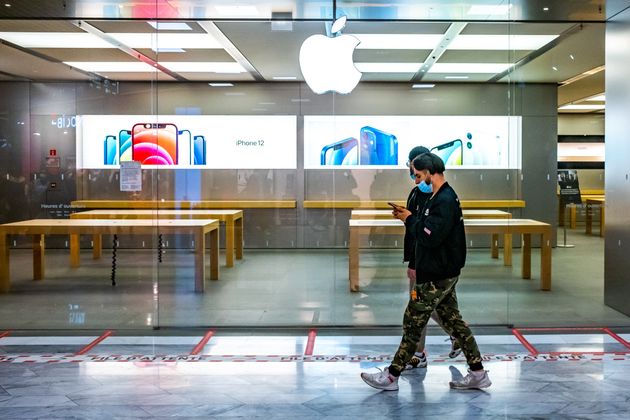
point(590, 385)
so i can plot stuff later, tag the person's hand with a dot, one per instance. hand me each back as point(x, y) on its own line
point(411, 275)
point(401, 213)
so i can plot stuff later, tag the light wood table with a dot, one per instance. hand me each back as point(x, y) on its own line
point(38, 228)
point(182, 204)
point(381, 204)
point(601, 203)
point(233, 220)
point(506, 227)
point(468, 214)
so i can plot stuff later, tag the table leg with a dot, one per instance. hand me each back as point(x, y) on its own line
point(5, 280)
point(353, 259)
point(545, 261)
point(507, 249)
point(526, 266)
point(588, 222)
point(97, 246)
point(494, 246)
point(239, 238)
point(39, 247)
point(214, 254)
point(200, 266)
point(75, 251)
point(573, 215)
point(602, 220)
point(229, 243)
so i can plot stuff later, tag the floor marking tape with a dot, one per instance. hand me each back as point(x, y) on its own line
point(382, 358)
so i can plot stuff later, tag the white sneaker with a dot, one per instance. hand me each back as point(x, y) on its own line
point(418, 360)
point(381, 380)
point(455, 349)
point(472, 381)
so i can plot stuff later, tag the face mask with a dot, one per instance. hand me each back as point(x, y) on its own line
point(424, 187)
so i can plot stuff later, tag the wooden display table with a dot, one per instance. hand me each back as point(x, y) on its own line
point(233, 220)
point(186, 205)
point(585, 195)
point(506, 227)
point(201, 229)
point(468, 214)
point(595, 201)
point(381, 204)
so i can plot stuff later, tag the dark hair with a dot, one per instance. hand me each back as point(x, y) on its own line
point(429, 161)
point(417, 151)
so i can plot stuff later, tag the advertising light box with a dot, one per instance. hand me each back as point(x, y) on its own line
point(187, 141)
point(492, 142)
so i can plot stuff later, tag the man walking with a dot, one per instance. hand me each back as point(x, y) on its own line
point(440, 255)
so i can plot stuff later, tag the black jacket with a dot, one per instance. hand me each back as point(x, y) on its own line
point(415, 203)
point(440, 237)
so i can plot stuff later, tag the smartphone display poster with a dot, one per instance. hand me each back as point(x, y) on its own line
point(187, 141)
point(384, 141)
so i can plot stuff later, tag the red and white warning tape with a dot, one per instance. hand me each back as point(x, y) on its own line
point(75, 358)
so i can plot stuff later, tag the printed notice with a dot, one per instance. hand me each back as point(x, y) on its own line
point(130, 176)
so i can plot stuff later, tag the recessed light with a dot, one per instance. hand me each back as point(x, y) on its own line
point(221, 84)
point(203, 67)
point(546, 9)
point(423, 86)
point(456, 77)
point(284, 78)
point(387, 67)
point(554, 68)
point(571, 57)
point(582, 107)
point(170, 26)
point(7, 4)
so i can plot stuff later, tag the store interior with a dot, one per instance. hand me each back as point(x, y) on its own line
point(72, 77)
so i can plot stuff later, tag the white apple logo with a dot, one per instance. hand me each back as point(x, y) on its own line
point(326, 62)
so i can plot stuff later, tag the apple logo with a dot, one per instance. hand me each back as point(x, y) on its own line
point(326, 62)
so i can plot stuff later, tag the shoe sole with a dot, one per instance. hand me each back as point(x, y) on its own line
point(376, 387)
point(479, 387)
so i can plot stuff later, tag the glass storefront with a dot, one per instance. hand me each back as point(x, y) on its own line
point(219, 190)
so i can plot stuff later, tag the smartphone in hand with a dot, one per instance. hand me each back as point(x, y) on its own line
point(395, 206)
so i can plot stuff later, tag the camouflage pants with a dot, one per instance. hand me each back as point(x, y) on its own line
point(443, 300)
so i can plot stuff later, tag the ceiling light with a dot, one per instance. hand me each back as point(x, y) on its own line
point(7, 4)
point(112, 66)
point(284, 78)
point(546, 9)
point(167, 40)
point(581, 107)
point(483, 68)
point(571, 57)
point(167, 50)
point(500, 42)
point(600, 98)
point(221, 84)
point(397, 41)
point(554, 68)
point(204, 67)
point(488, 10)
point(456, 77)
point(388, 67)
point(55, 40)
point(583, 75)
point(423, 86)
point(170, 26)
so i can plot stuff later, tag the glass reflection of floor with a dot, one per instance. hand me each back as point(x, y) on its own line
point(272, 288)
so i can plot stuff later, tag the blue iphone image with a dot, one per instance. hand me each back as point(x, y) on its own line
point(184, 148)
point(450, 152)
point(110, 155)
point(199, 150)
point(124, 146)
point(378, 147)
point(343, 152)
